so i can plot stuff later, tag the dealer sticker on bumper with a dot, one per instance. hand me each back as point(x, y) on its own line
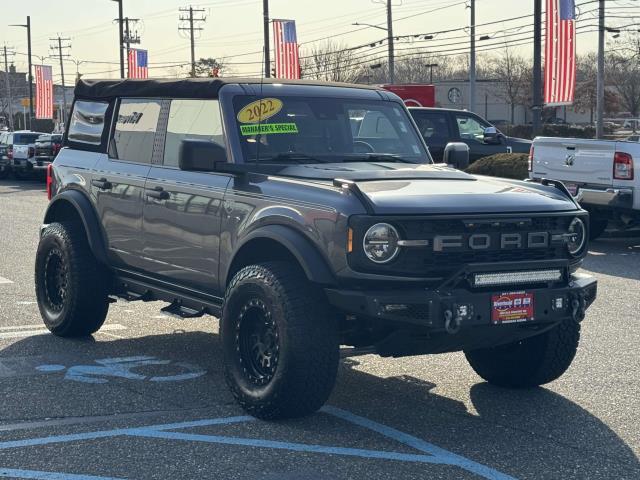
point(511, 307)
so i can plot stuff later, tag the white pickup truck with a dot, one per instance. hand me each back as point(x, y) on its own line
point(600, 174)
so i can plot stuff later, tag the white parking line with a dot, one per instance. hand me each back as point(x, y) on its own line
point(23, 331)
point(4, 281)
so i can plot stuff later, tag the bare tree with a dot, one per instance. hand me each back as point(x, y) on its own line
point(512, 72)
point(623, 73)
point(331, 62)
point(211, 67)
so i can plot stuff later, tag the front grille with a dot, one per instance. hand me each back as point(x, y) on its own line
point(425, 262)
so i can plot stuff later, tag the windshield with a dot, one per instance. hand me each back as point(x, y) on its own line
point(307, 130)
point(25, 138)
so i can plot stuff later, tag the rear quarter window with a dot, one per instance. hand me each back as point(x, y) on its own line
point(87, 122)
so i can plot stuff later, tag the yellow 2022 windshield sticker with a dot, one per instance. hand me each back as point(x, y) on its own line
point(259, 111)
point(268, 128)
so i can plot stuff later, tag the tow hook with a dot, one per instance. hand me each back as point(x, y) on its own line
point(452, 324)
point(578, 308)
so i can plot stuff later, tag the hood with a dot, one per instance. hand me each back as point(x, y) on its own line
point(436, 189)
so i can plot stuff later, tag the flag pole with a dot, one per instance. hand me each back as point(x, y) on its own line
point(537, 67)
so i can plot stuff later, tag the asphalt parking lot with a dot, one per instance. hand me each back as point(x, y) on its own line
point(145, 398)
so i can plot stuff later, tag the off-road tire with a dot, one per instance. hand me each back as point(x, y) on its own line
point(22, 175)
point(305, 332)
point(4, 173)
point(82, 307)
point(597, 226)
point(530, 362)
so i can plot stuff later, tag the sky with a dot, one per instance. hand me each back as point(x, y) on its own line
point(233, 29)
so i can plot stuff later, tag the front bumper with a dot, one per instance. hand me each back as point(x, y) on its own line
point(422, 315)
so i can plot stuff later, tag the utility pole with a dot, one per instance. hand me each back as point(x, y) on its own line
point(60, 48)
point(267, 47)
point(8, 82)
point(600, 81)
point(392, 69)
point(472, 60)
point(30, 76)
point(191, 29)
point(129, 38)
point(537, 67)
point(120, 37)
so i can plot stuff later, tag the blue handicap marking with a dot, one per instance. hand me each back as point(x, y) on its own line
point(124, 367)
point(427, 453)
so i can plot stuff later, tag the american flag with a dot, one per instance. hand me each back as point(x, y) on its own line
point(560, 58)
point(286, 49)
point(44, 92)
point(138, 63)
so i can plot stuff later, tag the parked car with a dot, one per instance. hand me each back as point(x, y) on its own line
point(262, 203)
point(21, 148)
point(47, 147)
point(601, 174)
point(441, 126)
point(5, 161)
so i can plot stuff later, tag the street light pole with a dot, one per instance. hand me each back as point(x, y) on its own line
point(600, 80)
point(30, 76)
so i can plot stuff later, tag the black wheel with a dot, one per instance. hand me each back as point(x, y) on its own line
point(597, 226)
point(4, 172)
point(71, 286)
point(280, 342)
point(530, 362)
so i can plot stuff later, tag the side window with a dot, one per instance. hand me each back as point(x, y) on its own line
point(191, 119)
point(470, 128)
point(432, 126)
point(135, 129)
point(87, 122)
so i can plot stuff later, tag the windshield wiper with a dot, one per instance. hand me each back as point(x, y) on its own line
point(294, 157)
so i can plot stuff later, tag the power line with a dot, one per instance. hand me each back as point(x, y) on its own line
point(191, 29)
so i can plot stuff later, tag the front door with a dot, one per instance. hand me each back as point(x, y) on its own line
point(471, 130)
point(118, 184)
point(182, 212)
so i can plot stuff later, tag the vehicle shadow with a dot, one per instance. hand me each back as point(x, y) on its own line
point(11, 185)
point(528, 433)
point(615, 256)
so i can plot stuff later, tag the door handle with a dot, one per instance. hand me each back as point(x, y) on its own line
point(102, 184)
point(158, 193)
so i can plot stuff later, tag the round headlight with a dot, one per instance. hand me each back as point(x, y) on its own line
point(381, 243)
point(577, 236)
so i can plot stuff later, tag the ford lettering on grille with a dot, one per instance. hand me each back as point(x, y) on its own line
point(485, 241)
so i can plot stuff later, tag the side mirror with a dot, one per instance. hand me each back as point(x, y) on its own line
point(492, 136)
point(200, 155)
point(456, 155)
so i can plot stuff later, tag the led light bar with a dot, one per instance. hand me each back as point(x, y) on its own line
point(516, 278)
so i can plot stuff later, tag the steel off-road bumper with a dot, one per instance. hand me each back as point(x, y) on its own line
point(426, 321)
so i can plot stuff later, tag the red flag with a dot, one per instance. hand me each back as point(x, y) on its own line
point(286, 49)
point(138, 62)
point(560, 57)
point(44, 91)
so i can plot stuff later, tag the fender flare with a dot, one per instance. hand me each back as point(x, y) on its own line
point(314, 265)
point(83, 207)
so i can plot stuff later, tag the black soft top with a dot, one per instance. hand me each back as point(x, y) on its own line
point(179, 87)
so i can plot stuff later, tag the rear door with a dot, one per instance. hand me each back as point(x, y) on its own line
point(182, 210)
point(574, 161)
point(436, 129)
point(23, 145)
point(118, 183)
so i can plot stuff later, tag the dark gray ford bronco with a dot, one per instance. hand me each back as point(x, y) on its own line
point(306, 216)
